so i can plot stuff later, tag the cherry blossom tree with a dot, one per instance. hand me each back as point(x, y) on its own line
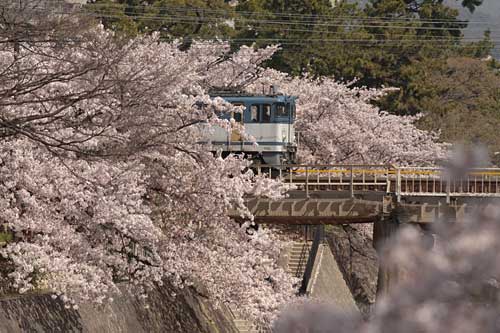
point(102, 177)
point(338, 124)
point(103, 180)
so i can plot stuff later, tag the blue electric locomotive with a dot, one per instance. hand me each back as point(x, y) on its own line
point(269, 119)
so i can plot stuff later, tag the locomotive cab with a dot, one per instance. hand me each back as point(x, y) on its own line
point(269, 119)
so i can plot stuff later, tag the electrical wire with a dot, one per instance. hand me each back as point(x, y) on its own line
point(327, 23)
point(197, 20)
point(177, 19)
point(283, 14)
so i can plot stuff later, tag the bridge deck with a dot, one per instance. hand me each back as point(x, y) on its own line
point(342, 194)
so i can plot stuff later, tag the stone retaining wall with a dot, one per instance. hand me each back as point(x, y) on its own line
point(186, 311)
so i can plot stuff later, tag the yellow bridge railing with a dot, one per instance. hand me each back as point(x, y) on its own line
point(399, 181)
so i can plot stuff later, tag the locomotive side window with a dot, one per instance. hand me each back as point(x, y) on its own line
point(266, 113)
point(237, 117)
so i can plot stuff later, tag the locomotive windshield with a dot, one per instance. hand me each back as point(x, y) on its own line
point(266, 113)
point(254, 113)
point(282, 110)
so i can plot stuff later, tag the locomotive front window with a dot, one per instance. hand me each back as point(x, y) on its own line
point(266, 113)
point(281, 110)
point(254, 113)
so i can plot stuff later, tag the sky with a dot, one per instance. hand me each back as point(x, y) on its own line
point(487, 16)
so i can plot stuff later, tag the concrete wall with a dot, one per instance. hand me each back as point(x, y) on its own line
point(328, 284)
point(187, 311)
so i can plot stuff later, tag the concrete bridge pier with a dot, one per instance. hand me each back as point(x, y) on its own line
point(383, 232)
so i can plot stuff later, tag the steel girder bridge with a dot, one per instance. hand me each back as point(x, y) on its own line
point(343, 194)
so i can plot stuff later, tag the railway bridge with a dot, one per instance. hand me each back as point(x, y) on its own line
point(344, 194)
point(385, 195)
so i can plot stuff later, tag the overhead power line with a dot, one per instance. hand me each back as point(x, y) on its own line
point(334, 22)
point(194, 19)
point(289, 15)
